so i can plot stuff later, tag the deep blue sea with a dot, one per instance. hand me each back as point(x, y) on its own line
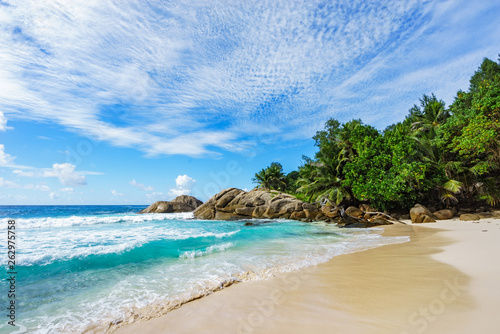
point(82, 268)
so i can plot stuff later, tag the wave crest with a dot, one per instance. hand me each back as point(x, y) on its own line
point(209, 250)
point(95, 220)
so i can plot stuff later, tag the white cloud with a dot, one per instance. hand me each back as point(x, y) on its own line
point(53, 196)
point(40, 187)
point(5, 158)
point(141, 186)
point(7, 184)
point(3, 123)
point(67, 190)
point(66, 174)
point(183, 185)
point(242, 65)
point(43, 188)
point(115, 193)
point(19, 172)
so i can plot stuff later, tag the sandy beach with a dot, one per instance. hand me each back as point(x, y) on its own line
point(443, 281)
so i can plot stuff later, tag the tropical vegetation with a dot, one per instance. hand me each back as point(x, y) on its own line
point(436, 155)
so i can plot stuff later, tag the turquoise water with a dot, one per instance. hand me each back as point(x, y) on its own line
point(87, 268)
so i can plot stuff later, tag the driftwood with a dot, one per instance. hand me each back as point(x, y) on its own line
point(325, 200)
point(385, 214)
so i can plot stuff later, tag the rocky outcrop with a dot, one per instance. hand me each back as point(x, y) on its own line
point(420, 214)
point(354, 211)
point(484, 215)
point(469, 217)
point(183, 203)
point(236, 204)
point(233, 204)
point(444, 214)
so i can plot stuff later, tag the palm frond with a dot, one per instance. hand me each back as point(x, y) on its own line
point(453, 186)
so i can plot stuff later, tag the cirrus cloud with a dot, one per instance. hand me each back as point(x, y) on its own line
point(141, 186)
point(186, 78)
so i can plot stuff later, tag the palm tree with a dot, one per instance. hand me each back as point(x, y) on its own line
point(428, 116)
point(320, 179)
point(271, 177)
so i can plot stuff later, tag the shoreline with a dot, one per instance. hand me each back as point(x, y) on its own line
point(413, 287)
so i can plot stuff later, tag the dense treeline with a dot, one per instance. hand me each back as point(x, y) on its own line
point(436, 155)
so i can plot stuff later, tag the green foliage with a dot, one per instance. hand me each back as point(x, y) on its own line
point(449, 156)
point(291, 181)
point(486, 71)
point(271, 177)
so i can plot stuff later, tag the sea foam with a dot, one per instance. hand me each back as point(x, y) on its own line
point(47, 222)
point(91, 273)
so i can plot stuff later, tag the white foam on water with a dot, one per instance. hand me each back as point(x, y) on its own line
point(209, 250)
point(48, 222)
point(163, 287)
point(43, 247)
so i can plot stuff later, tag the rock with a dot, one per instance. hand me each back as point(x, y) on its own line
point(181, 203)
point(298, 215)
point(485, 215)
point(257, 222)
point(420, 214)
point(354, 222)
point(354, 211)
point(235, 203)
point(259, 211)
point(279, 206)
point(405, 216)
point(245, 211)
point(232, 203)
point(189, 200)
point(366, 208)
point(469, 217)
point(219, 215)
point(444, 214)
point(428, 219)
point(206, 213)
point(330, 212)
point(226, 196)
point(467, 210)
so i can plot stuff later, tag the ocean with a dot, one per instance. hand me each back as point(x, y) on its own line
point(90, 268)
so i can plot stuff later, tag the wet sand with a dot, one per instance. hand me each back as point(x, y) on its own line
point(443, 281)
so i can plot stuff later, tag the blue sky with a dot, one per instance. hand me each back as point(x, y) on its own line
point(106, 102)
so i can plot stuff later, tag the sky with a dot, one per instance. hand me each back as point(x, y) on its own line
point(129, 102)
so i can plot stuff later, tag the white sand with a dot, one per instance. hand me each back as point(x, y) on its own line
point(445, 280)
